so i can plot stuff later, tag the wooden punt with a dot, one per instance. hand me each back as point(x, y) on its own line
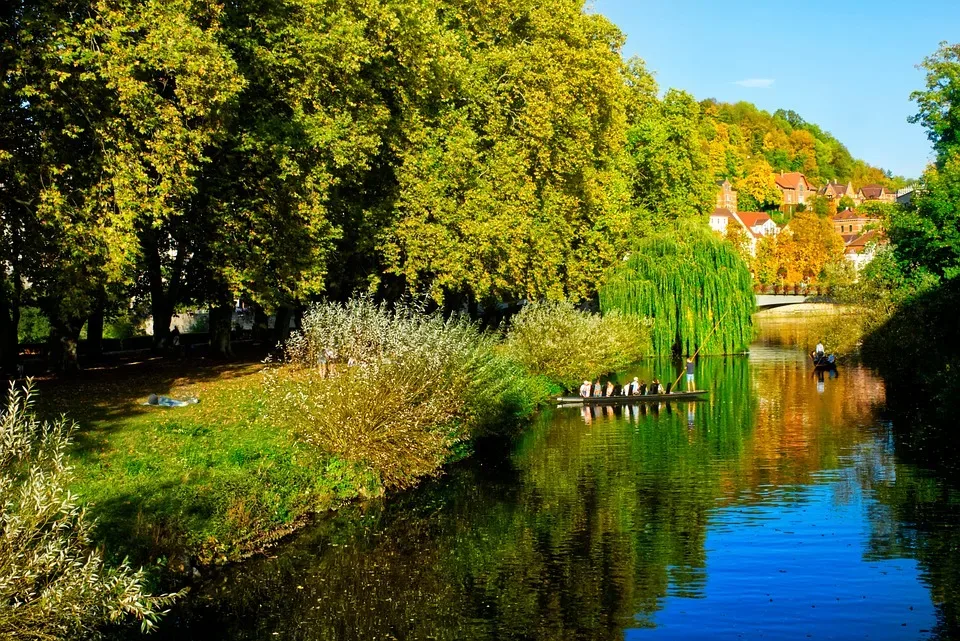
point(695, 395)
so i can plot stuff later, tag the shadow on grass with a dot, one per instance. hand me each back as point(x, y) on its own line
point(101, 401)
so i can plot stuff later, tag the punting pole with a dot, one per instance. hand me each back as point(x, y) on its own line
point(704, 342)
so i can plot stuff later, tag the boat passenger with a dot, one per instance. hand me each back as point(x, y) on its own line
point(655, 386)
point(585, 389)
point(690, 369)
point(597, 390)
point(642, 391)
point(609, 388)
point(818, 350)
point(635, 386)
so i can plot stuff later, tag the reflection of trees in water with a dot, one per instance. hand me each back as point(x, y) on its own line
point(917, 514)
point(582, 528)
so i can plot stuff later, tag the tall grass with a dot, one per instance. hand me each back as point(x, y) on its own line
point(53, 582)
point(397, 390)
point(566, 345)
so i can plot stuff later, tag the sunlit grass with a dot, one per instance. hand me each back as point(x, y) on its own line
point(201, 483)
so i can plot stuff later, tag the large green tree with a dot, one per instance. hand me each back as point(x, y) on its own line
point(510, 187)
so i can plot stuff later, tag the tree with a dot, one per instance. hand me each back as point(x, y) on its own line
point(513, 189)
point(760, 185)
point(846, 202)
point(695, 287)
point(939, 105)
point(805, 247)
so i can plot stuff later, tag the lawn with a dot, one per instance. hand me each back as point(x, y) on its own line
point(191, 485)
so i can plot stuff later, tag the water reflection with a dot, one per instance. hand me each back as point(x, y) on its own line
point(777, 508)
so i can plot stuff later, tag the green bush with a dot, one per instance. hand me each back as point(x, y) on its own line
point(394, 390)
point(566, 345)
point(54, 584)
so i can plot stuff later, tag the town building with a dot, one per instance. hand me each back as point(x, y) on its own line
point(863, 248)
point(850, 224)
point(877, 192)
point(755, 224)
point(726, 196)
point(795, 188)
point(835, 191)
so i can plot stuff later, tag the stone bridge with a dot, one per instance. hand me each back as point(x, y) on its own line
point(769, 301)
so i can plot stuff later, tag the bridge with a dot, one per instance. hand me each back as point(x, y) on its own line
point(769, 301)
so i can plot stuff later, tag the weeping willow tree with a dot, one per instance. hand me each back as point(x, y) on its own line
point(688, 283)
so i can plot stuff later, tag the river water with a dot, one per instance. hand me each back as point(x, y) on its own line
point(777, 509)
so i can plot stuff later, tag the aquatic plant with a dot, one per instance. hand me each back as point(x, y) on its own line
point(53, 582)
point(689, 283)
point(567, 345)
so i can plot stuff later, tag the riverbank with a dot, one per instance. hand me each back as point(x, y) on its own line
point(196, 485)
point(269, 446)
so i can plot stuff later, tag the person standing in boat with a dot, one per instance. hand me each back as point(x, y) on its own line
point(585, 389)
point(818, 350)
point(597, 390)
point(609, 389)
point(690, 371)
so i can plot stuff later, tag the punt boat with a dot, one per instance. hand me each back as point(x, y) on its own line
point(696, 395)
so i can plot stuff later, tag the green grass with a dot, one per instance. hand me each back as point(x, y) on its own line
point(203, 483)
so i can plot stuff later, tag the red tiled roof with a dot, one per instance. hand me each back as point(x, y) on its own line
point(869, 237)
point(849, 214)
point(791, 180)
point(753, 218)
point(872, 191)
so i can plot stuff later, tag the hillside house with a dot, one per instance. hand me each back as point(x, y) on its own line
point(835, 191)
point(758, 223)
point(755, 224)
point(877, 192)
point(726, 196)
point(795, 188)
point(850, 224)
point(863, 248)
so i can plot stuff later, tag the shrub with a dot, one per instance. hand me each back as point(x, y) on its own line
point(393, 390)
point(565, 345)
point(53, 583)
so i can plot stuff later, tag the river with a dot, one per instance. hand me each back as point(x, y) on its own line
point(777, 509)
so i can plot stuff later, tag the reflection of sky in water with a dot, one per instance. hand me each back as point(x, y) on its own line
point(776, 508)
point(793, 571)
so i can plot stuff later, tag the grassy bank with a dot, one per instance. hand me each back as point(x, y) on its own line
point(196, 484)
point(268, 446)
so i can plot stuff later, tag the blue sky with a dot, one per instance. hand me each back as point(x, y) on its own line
point(847, 65)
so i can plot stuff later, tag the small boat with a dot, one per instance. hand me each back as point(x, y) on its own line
point(824, 361)
point(696, 395)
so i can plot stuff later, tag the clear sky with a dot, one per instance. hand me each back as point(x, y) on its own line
point(846, 65)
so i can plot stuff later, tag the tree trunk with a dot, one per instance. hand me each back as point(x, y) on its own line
point(62, 344)
point(261, 332)
point(9, 343)
point(163, 297)
point(221, 317)
point(281, 328)
point(95, 332)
